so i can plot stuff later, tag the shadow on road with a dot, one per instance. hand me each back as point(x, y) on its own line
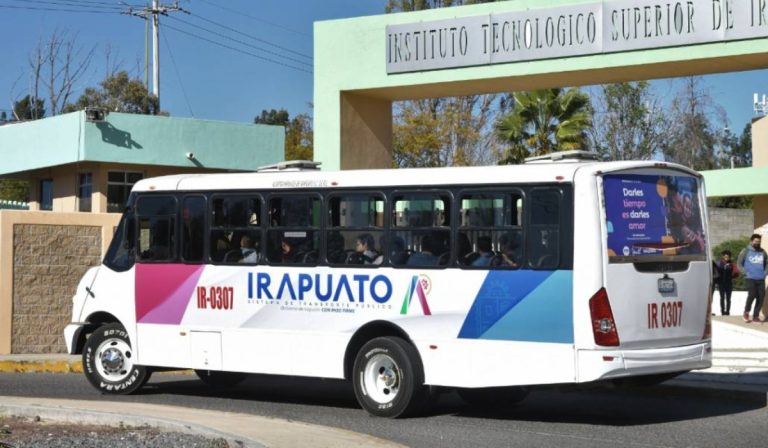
point(596, 405)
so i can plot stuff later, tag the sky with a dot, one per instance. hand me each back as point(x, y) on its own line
point(201, 79)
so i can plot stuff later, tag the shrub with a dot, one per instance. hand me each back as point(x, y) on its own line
point(734, 246)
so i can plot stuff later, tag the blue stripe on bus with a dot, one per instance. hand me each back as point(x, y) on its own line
point(532, 306)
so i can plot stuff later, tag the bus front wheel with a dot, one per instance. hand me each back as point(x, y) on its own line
point(388, 377)
point(109, 362)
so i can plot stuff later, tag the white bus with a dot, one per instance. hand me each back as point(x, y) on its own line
point(483, 279)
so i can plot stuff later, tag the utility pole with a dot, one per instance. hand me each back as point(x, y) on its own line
point(155, 11)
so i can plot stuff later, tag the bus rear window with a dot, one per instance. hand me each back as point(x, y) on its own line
point(653, 217)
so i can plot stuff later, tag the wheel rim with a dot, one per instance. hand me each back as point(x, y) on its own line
point(381, 378)
point(114, 360)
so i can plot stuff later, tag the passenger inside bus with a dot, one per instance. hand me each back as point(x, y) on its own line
point(485, 251)
point(425, 257)
point(249, 250)
point(365, 249)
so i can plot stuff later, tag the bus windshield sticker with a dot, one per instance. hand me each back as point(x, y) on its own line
point(649, 216)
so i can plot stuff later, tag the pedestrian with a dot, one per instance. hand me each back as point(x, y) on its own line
point(752, 261)
point(726, 272)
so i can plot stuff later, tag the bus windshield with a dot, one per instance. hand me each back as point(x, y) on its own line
point(653, 217)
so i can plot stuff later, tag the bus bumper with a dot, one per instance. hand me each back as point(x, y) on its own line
point(605, 364)
point(71, 336)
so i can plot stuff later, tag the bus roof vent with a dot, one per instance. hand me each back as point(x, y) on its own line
point(291, 165)
point(564, 156)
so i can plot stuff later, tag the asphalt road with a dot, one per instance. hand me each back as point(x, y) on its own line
point(661, 416)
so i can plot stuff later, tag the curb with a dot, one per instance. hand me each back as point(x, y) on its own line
point(85, 417)
point(41, 366)
point(242, 429)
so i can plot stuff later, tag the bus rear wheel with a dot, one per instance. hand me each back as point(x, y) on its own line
point(220, 380)
point(388, 377)
point(109, 362)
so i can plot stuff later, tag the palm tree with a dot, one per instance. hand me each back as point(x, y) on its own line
point(544, 121)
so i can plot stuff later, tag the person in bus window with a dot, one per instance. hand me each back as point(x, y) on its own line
point(248, 249)
point(426, 257)
point(463, 249)
point(364, 247)
point(484, 248)
point(509, 245)
point(288, 250)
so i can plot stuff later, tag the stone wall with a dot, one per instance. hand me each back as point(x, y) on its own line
point(48, 262)
point(729, 223)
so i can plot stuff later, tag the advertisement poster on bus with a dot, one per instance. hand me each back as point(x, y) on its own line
point(653, 216)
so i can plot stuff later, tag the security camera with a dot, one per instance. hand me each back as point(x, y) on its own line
point(95, 114)
point(190, 155)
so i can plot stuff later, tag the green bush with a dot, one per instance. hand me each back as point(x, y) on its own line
point(735, 246)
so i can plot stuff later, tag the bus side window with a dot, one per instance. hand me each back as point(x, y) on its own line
point(543, 242)
point(355, 234)
point(420, 234)
point(490, 230)
point(293, 237)
point(236, 234)
point(193, 228)
point(157, 228)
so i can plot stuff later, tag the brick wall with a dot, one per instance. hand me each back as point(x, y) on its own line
point(48, 262)
point(729, 223)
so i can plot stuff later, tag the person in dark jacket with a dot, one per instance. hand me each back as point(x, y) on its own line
point(726, 272)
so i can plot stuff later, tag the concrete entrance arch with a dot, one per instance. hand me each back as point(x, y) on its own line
point(363, 64)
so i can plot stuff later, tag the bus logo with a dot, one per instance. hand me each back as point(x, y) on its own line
point(420, 285)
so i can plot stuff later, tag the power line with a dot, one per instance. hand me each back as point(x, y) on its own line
point(242, 42)
point(238, 50)
point(178, 76)
point(31, 8)
point(240, 13)
point(68, 3)
point(91, 2)
point(253, 37)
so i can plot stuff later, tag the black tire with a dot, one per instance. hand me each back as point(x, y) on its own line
point(493, 396)
point(220, 380)
point(108, 362)
point(388, 378)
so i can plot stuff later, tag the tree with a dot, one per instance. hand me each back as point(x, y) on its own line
point(119, 93)
point(443, 131)
point(691, 138)
point(276, 117)
point(627, 122)
point(14, 190)
point(28, 109)
point(418, 5)
point(455, 131)
point(56, 65)
point(740, 150)
point(299, 136)
point(736, 152)
point(544, 121)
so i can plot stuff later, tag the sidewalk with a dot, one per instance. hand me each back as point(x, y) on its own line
point(739, 357)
